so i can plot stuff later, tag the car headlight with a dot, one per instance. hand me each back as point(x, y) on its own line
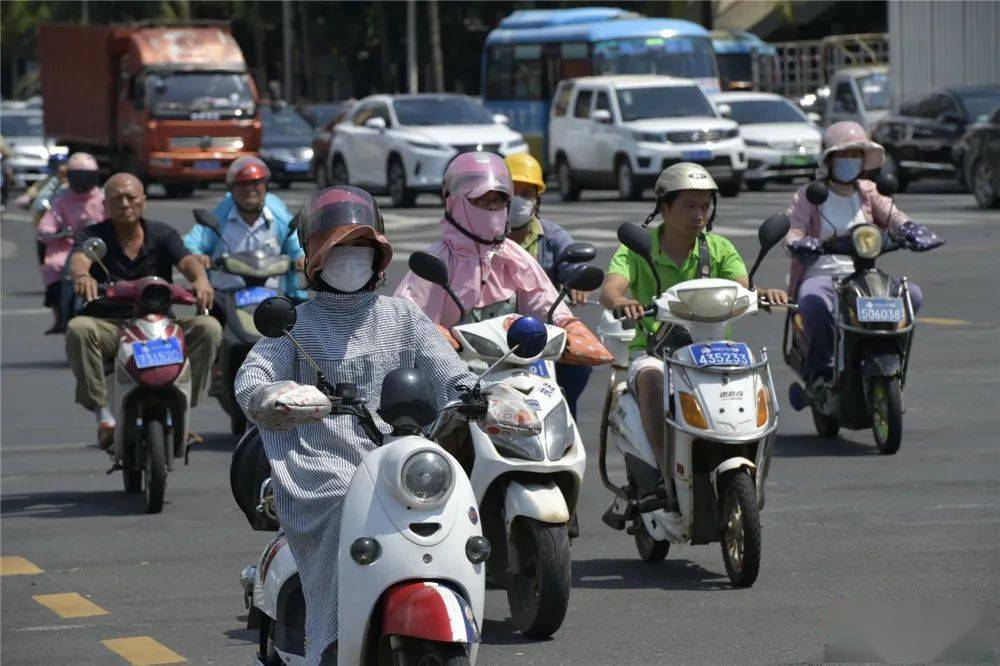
point(483, 346)
point(650, 137)
point(867, 241)
point(277, 154)
point(426, 477)
point(423, 145)
point(525, 447)
point(715, 304)
point(558, 433)
point(755, 143)
point(731, 133)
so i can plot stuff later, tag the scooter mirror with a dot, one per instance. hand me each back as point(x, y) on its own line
point(429, 267)
point(95, 249)
point(206, 219)
point(527, 337)
point(293, 225)
point(274, 317)
point(636, 239)
point(578, 253)
point(585, 278)
point(887, 185)
point(816, 193)
point(773, 230)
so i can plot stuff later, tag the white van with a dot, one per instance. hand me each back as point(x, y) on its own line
point(608, 132)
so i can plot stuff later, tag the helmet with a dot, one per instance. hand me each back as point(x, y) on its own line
point(407, 401)
point(81, 162)
point(684, 176)
point(337, 214)
point(471, 175)
point(81, 172)
point(56, 160)
point(246, 169)
point(525, 169)
point(846, 135)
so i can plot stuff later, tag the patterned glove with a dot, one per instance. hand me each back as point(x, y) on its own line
point(806, 247)
point(285, 405)
point(918, 237)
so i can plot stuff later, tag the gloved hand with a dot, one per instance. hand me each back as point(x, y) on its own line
point(508, 413)
point(285, 405)
point(808, 246)
point(582, 346)
point(918, 237)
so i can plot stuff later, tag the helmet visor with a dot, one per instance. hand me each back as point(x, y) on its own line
point(337, 207)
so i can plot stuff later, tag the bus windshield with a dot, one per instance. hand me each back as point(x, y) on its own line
point(689, 57)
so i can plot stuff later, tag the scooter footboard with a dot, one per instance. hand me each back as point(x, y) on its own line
point(429, 611)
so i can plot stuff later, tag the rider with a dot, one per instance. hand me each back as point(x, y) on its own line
point(545, 241)
point(355, 335)
point(39, 196)
point(80, 205)
point(683, 249)
point(853, 200)
point(136, 248)
point(490, 273)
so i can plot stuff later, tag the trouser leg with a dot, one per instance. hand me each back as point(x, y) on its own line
point(573, 380)
point(88, 342)
point(815, 299)
point(203, 334)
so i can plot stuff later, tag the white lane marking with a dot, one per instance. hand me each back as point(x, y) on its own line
point(16, 217)
point(24, 312)
point(7, 249)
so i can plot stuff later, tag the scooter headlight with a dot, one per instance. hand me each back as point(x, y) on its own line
point(525, 447)
point(709, 304)
point(867, 241)
point(558, 433)
point(427, 477)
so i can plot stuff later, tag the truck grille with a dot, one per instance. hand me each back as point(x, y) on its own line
point(206, 143)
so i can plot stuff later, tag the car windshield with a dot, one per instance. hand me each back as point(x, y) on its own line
point(665, 102)
point(183, 93)
point(874, 91)
point(761, 111)
point(980, 103)
point(283, 122)
point(441, 111)
point(21, 124)
point(689, 57)
point(321, 114)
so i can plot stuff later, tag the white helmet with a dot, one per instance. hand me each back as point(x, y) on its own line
point(684, 176)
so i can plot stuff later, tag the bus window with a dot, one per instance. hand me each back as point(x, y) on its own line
point(515, 72)
point(689, 57)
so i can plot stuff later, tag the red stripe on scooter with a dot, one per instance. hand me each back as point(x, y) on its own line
point(417, 610)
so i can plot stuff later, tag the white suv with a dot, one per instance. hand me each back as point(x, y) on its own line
point(622, 131)
point(401, 144)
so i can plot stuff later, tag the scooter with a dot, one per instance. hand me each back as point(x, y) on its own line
point(255, 268)
point(149, 383)
point(720, 414)
point(412, 555)
point(527, 487)
point(873, 334)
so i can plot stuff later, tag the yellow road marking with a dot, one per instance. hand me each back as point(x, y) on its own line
point(943, 321)
point(143, 651)
point(69, 604)
point(17, 566)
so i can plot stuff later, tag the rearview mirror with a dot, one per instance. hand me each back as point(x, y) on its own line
point(375, 123)
point(816, 193)
point(578, 253)
point(275, 317)
point(206, 219)
point(429, 267)
point(725, 111)
point(585, 278)
point(773, 230)
point(95, 249)
point(637, 239)
point(601, 116)
point(501, 119)
point(527, 337)
point(887, 185)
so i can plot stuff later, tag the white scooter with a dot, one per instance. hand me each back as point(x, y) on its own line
point(527, 487)
point(411, 574)
point(721, 416)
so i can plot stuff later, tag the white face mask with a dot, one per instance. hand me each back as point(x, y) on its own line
point(520, 212)
point(846, 169)
point(349, 268)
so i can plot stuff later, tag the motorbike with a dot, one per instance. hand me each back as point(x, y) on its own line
point(874, 323)
point(527, 487)
point(411, 575)
point(721, 416)
point(255, 268)
point(149, 383)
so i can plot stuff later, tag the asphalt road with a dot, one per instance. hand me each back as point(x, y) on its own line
point(842, 524)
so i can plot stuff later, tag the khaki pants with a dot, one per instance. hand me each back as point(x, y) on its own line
point(89, 341)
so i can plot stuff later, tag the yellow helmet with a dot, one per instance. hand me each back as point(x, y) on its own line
point(525, 169)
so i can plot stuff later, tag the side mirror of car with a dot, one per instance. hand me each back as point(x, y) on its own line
point(275, 317)
point(601, 116)
point(501, 119)
point(725, 111)
point(527, 337)
point(815, 118)
point(376, 124)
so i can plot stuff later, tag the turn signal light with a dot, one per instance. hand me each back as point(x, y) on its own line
point(762, 407)
point(692, 412)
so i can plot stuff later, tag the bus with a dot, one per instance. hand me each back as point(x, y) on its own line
point(531, 51)
point(746, 62)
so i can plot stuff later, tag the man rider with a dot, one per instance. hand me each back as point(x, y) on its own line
point(136, 248)
point(683, 249)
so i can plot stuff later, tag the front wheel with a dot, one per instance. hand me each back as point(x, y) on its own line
point(887, 415)
point(155, 465)
point(628, 190)
point(431, 653)
point(569, 190)
point(539, 593)
point(982, 185)
point(731, 187)
point(826, 426)
point(740, 529)
point(650, 550)
point(402, 196)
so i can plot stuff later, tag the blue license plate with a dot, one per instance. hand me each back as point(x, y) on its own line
point(297, 167)
point(696, 155)
point(539, 368)
point(880, 310)
point(253, 296)
point(730, 354)
point(207, 165)
point(154, 353)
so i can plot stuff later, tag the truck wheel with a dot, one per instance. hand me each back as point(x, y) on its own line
point(569, 190)
point(740, 529)
point(155, 465)
point(539, 595)
point(887, 415)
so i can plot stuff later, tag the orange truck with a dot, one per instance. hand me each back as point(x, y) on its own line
point(173, 104)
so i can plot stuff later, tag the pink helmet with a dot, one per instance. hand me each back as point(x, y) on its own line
point(846, 135)
point(472, 175)
point(81, 162)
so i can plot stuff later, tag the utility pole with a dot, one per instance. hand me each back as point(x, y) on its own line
point(437, 62)
point(286, 44)
point(411, 46)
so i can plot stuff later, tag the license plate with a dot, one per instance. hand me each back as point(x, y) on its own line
point(734, 354)
point(539, 368)
point(297, 167)
point(253, 296)
point(207, 165)
point(798, 160)
point(154, 353)
point(696, 155)
point(882, 310)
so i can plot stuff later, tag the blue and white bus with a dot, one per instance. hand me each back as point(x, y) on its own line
point(531, 51)
point(746, 62)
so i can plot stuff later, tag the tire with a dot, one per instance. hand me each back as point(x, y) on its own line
point(628, 190)
point(395, 176)
point(430, 653)
point(338, 174)
point(539, 596)
point(320, 176)
point(826, 426)
point(268, 654)
point(175, 191)
point(981, 184)
point(887, 415)
point(756, 185)
point(892, 168)
point(740, 529)
point(237, 422)
point(155, 465)
point(650, 550)
point(731, 188)
point(132, 480)
point(569, 190)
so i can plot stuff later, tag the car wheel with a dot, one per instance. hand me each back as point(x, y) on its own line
point(892, 168)
point(568, 189)
point(756, 185)
point(321, 177)
point(628, 190)
point(401, 195)
point(984, 185)
point(731, 187)
point(338, 174)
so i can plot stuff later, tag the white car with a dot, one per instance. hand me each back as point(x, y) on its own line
point(22, 130)
point(401, 144)
point(782, 143)
point(622, 131)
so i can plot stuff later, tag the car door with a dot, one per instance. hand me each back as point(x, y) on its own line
point(376, 150)
point(350, 137)
point(947, 127)
point(605, 136)
point(559, 121)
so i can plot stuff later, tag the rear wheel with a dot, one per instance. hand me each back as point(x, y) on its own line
point(887, 415)
point(826, 426)
point(741, 541)
point(650, 550)
point(155, 465)
point(539, 594)
point(568, 188)
point(430, 653)
point(338, 174)
point(401, 195)
point(628, 190)
point(982, 184)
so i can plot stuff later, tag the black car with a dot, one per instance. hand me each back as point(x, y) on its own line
point(978, 152)
point(286, 144)
point(919, 139)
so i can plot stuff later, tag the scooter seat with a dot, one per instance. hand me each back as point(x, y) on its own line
point(247, 472)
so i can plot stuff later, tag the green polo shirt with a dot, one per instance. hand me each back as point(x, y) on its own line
point(726, 263)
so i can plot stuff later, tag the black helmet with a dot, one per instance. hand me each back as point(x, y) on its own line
point(407, 402)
